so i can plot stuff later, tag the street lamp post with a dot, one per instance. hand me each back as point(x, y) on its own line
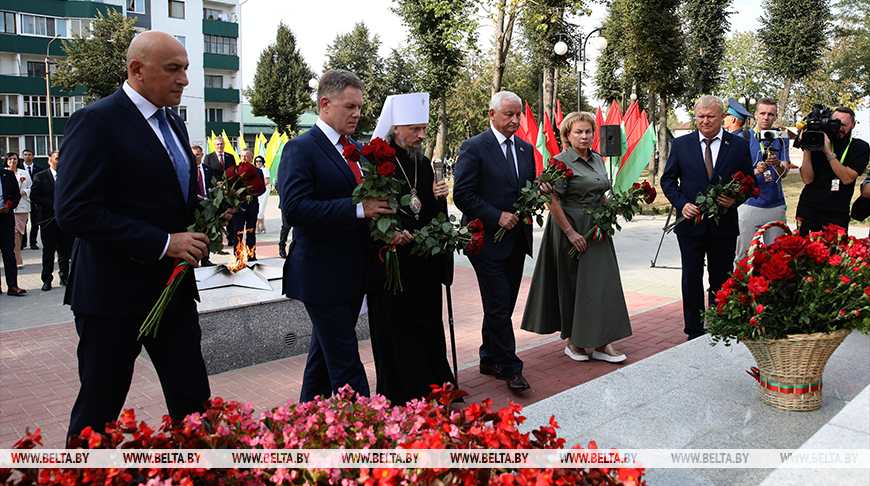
point(580, 56)
point(48, 95)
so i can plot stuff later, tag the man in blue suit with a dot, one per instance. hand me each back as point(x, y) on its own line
point(325, 266)
point(491, 169)
point(706, 157)
point(130, 216)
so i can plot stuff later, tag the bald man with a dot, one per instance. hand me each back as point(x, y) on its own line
point(130, 222)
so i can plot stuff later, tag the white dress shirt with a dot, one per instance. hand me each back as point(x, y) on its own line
point(333, 138)
point(501, 139)
point(714, 146)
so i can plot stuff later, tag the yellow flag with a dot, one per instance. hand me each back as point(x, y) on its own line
point(271, 148)
point(210, 141)
point(242, 144)
point(228, 147)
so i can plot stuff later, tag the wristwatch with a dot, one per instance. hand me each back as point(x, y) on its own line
point(832, 157)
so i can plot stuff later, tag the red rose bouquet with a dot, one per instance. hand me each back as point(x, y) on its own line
point(626, 205)
point(740, 188)
point(531, 201)
point(797, 285)
point(378, 181)
point(442, 235)
point(240, 184)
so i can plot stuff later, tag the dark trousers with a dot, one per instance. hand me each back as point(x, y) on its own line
point(245, 225)
point(34, 226)
point(108, 349)
point(816, 219)
point(333, 359)
point(719, 253)
point(55, 241)
point(285, 233)
point(7, 247)
point(499, 282)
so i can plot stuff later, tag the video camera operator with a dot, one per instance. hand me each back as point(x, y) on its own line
point(768, 146)
point(830, 173)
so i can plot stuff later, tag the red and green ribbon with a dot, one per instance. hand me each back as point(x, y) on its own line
point(797, 389)
point(697, 220)
point(385, 254)
point(597, 236)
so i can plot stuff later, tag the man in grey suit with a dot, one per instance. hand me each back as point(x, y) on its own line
point(491, 169)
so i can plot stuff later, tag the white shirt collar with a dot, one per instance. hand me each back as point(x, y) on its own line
point(53, 172)
point(145, 107)
point(701, 136)
point(500, 137)
point(330, 132)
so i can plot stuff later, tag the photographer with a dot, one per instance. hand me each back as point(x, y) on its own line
point(830, 173)
point(768, 146)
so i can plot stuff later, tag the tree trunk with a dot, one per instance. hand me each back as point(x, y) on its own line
point(557, 78)
point(653, 167)
point(663, 144)
point(783, 96)
point(441, 138)
point(549, 78)
point(503, 34)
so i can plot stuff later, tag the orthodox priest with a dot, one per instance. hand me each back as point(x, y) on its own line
point(407, 332)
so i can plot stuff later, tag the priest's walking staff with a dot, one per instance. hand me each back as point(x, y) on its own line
point(439, 176)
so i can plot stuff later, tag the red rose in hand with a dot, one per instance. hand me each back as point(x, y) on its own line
point(246, 171)
point(386, 169)
point(383, 151)
point(256, 186)
point(8, 204)
point(351, 152)
point(651, 195)
point(738, 175)
point(744, 189)
point(560, 165)
point(569, 174)
point(476, 244)
point(635, 186)
point(368, 152)
point(777, 268)
point(794, 245)
point(755, 192)
point(475, 226)
point(231, 174)
point(747, 181)
point(645, 186)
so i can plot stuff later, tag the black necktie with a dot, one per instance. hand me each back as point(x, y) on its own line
point(509, 155)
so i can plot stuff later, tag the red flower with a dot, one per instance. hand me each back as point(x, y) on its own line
point(23, 179)
point(569, 174)
point(794, 245)
point(476, 244)
point(777, 268)
point(857, 249)
point(738, 175)
point(351, 152)
point(560, 165)
point(818, 251)
point(369, 152)
point(845, 279)
point(246, 171)
point(475, 226)
point(646, 187)
point(755, 192)
point(753, 321)
point(386, 169)
point(231, 174)
point(744, 189)
point(758, 285)
point(759, 308)
point(8, 204)
point(635, 186)
point(834, 232)
point(835, 260)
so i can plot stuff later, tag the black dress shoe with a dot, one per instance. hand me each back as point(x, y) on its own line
point(16, 292)
point(46, 287)
point(34, 247)
point(517, 383)
point(492, 370)
point(63, 282)
point(282, 253)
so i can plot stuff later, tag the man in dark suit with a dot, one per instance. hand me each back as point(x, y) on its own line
point(204, 176)
point(130, 222)
point(491, 169)
point(8, 202)
point(32, 169)
point(708, 156)
point(219, 160)
point(245, 219)
point(325, 266)
point(53, 239)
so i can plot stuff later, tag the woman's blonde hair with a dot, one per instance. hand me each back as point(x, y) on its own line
point(569, 122)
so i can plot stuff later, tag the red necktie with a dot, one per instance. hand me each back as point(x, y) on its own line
point(201, 183)
point(222, 161)
point(354, 166)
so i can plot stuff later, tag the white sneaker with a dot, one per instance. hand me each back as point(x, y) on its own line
point(610, 354)
point(581, 356)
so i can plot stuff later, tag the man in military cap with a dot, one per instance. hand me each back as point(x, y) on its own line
point(735, 118)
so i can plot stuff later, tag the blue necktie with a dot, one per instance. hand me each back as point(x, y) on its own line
point(182, 165)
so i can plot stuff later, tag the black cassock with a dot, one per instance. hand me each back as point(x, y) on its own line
point(408, 343)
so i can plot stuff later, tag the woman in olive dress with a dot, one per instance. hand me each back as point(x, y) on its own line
point(580, 297)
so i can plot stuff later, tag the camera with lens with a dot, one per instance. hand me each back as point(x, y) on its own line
point(818, 123)
point(767, 137)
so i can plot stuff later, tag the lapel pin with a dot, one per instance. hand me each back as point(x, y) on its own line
point(521, 149)
point(726, 142)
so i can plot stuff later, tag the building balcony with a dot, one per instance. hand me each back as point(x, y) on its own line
point(219, 27)
point(69, 8)
point(21, 125)
point(220, 61)
point(221, 95)
point(32, 86)
point(29, 45)
point(232, 128)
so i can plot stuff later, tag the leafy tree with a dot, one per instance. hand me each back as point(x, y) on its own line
point(504, 18)
point(610, 73)
point(440, 30)
point(707, 22)
point(654, 52)
point(745, 70)
point(281, 90)
point(793, 33)
point(97, 57)
point(468, 100)
point(357, 52)
point(854, 18)
point(401, 73)
point(830, 85)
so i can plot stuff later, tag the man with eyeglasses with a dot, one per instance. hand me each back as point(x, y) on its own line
point(768, 146)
